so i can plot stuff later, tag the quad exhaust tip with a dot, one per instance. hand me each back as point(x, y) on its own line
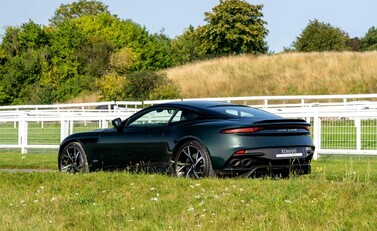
point(236, 162)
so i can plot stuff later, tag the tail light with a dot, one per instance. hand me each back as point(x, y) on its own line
point(241, 130)
point(255, 129)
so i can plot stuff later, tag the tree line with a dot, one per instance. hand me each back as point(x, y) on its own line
point(85, 48)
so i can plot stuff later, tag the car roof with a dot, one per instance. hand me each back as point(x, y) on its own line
point(196, 104)
point(203, 107)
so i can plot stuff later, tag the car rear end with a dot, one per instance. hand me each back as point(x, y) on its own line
point(276, 147)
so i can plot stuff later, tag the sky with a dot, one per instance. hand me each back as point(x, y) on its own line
point(285, 18)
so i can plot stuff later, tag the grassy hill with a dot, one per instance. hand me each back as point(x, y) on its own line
point(279, 74)
point(322, 73)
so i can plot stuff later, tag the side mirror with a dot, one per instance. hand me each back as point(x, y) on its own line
point(117, 123)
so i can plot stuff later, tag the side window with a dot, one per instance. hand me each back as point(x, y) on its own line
point(177, 116)
point(188, 115)
point(155, 117)
point(184, 116)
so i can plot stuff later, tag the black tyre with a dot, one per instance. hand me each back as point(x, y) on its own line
point(73, 159)
point(193, 161)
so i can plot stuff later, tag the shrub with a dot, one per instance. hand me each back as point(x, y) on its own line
point(111, 86)
point(319, 36)
point(149, 85)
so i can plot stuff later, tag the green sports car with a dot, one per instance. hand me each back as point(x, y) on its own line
point(194, 139)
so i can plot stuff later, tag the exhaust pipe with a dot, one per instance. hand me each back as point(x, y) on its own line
point(235, 162)
point(246, 162)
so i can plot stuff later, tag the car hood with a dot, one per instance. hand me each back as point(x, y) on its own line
point(86, 135)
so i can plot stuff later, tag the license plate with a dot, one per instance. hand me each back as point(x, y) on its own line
point(289, 152)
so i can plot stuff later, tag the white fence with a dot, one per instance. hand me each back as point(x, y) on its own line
point(344, 124)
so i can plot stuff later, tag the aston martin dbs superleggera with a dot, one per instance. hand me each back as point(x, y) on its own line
point(194, 139)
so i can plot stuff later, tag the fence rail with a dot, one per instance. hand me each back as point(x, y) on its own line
point(346, 127)
point(256, 101)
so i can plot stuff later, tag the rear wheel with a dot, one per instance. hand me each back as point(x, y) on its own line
point(193, 161)
point(73, 159)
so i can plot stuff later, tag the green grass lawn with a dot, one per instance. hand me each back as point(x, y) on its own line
point(340, 194)
point(11, 160)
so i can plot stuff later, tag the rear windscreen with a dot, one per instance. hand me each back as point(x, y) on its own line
point(243, 112)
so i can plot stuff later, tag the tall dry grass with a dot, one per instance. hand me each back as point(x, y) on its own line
point(86, 97)
point(279, 74)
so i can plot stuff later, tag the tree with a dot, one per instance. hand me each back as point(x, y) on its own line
point(66, 74)
point(319, 36)
point(234, 27)
point(11, 42)
point(32, 36)
point(94, 57)
point(158, 52)
point(77, 10)
point(22, 73)
point(369, 41)
point(151, 51)
point(23, 54)
point(184, 47)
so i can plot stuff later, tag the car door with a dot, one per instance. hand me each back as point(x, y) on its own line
point(140, 141)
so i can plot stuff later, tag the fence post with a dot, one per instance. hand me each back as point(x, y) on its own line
point(23, 133)
point(71, 127)
point(316, 134)
point(358, 133)
point(104, 123)
point(63, 129)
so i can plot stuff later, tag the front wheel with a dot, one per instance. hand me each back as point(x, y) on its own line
point(193, 161)
point(73, 159)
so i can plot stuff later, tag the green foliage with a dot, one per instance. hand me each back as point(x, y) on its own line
point(54, 64)
point(123, 60)
point(111, 86)
point(32, 36)
point(10, 42)
point(22, 73)
point(234, 27)
point(157, 52)
point(3, 94)
point(354, 44)
point(184, 47)
point(19, 39)
point(136, 86)
point(369, 41)
point(147, 85)
point(67, 72)
point(78, 9)
point(94, 56)
point(165, 90)
point(150, 51)
point(319, 36)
